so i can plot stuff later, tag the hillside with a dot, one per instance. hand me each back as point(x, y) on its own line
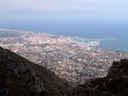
point(20, 77)
point(114, 84)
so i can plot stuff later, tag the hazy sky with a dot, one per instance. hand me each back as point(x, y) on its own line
point(64, 4)
point(116, 10)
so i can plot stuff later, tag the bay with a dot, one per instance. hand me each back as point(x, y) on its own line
point(103, 31)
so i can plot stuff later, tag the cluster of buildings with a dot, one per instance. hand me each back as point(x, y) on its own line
point(69, 59)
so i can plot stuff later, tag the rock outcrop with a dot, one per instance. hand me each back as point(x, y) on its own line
point(114, 84)
point(20, 77)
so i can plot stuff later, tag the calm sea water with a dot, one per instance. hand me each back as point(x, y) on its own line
point(102, 31)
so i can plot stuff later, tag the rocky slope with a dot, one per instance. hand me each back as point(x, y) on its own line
point(114, 84)
point(20, 77)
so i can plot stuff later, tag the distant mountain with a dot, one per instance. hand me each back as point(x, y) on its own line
point(20, 77)
point(114, 84)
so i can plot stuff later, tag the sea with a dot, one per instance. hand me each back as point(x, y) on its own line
point(112, 35)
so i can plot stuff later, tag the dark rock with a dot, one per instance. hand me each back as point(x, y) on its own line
point(20, 77)
point(114, 84)
point(44, 93)
point(16, 76)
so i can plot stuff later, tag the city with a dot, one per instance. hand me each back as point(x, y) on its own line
point(69, 59)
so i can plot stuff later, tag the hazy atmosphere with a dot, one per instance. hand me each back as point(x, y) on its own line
point(78, 10)
point(63, 47)
point(82, 18)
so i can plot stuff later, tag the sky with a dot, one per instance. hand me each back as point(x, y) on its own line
point(64, 10)
point(83, 18)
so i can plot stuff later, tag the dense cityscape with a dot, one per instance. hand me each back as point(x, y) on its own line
point(71, 60)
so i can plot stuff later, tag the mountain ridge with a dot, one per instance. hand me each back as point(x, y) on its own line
point(114, 84)
point(18, 75)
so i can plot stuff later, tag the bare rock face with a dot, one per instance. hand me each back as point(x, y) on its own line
point(20, 77)
point(17, 77)
point(114, 84)
point(119, 69)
